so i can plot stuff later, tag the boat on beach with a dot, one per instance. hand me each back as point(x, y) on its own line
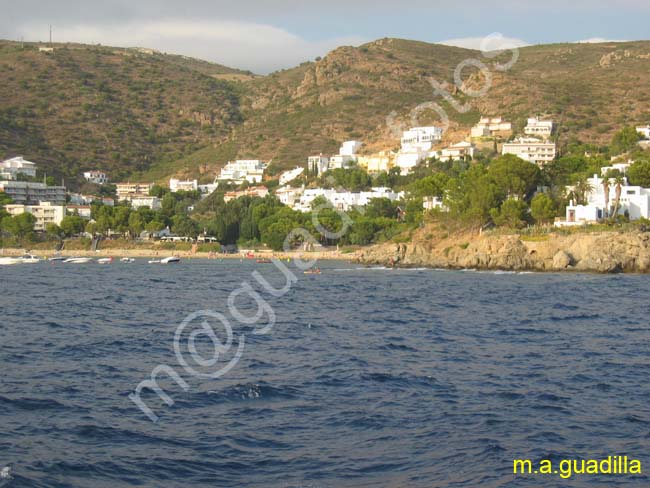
point(29, 259)
point(75, 260)
point(170, 260)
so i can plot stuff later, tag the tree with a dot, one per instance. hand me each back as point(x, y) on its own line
point(514, 177)
point(618, 180)
point(20, 226)
point(542, 208)
point(625, 140)
point(381, 207)
point(72, 225)
point(136, 223)
point(53, 231)
point(513, 213)
point(639, 174)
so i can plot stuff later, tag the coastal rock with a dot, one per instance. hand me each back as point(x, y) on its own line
point(561, 260)
point(605, 252)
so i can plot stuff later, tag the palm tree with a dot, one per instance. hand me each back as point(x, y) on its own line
point(618, 181)
point(581, 189)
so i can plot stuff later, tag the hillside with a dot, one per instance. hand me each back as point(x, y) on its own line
point(152, 115)
point(85, 107)
point(590, 90)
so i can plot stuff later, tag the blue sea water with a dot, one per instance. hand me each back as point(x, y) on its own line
point(368, 378)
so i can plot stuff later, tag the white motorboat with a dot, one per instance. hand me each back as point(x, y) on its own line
point(8, 261)
point(127, 260)
point(154, 261)
point(170, 260)
point(105, 260)
point(57, 259)
point(29, 259)
point(78, 260)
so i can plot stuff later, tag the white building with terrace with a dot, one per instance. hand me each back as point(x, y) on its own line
point(537, 127)
point(634, 201)
point(11, 168)
point(251, 170)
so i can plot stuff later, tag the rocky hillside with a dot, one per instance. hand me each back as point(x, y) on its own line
point(121, 110)
point(606, 252)
point(150, 115)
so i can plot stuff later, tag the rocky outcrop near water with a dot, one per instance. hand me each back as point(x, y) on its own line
point(606, 252)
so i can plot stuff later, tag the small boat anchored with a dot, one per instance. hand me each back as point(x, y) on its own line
point(313, 271)
point(78, 260)
point(170, 260)
point(127, 260)
point(105, 261)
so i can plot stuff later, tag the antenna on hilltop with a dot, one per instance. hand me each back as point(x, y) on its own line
point(50, 34)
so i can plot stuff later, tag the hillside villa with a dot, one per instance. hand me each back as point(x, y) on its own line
point(318, 164)
point(347, 155)
point(250, 170)
point(458, 151)
point(11, 168)
point(416, 146)
point(539, 128)
point(96, 177)
point(291, 175)
point(180, 185)
point(531, 150)
point(491, 127)
point(378, 162)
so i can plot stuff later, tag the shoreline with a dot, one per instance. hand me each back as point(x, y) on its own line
point(152, 253)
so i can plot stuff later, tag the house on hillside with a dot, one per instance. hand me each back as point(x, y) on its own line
point(250, 170)
point(45, 213)
point(318, 164)
point(491, 127)
point(459, 151)
point(96, 177)
point(531, 150)
point(11, 168)
point(180, 185)
point(417, 144)
point(644, 131)
point(537, 127)
point(291, 175)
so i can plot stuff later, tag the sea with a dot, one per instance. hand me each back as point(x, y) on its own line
point(355, 377)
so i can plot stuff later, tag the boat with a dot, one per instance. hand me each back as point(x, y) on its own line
point(57, 259)
point(127, 260)
point(170, 260)
point(78, 260)
point(105, 260)
point(29, 259)
point(264, 261)
point(154, 261)
point(9, 261)
point(313, 271)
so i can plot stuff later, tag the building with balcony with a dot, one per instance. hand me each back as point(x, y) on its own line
point(11, 168)
point(28, 193)
point(531, 150)
point(45, 213)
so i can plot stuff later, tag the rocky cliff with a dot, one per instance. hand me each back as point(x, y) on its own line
point(606, 252)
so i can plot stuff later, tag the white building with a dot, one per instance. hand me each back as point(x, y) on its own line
point(96, 177)
point(83, 211)
point(28, 193)
point(491, 127)
point(291, 175)
point(180, 185)
point(251, 170)
point(644, 131)
point(10, 168)
point(154, 203)
point(539, 128)
point(531, 150)
point(128, 191)
point(379, 162)
point(208, 189)
point(350, 148)
point(434, 203)
point(635, 201)
point(417, 144)
point(289, 196)
point(461, 150)
point(45, 213)
point(344, 201)
point(79, 199)
point(318, 164)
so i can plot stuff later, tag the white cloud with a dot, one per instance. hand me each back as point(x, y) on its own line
point(259, 47)
point(596, 40)
point(491, 42)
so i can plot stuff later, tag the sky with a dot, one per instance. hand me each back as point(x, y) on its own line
point(267, 35)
